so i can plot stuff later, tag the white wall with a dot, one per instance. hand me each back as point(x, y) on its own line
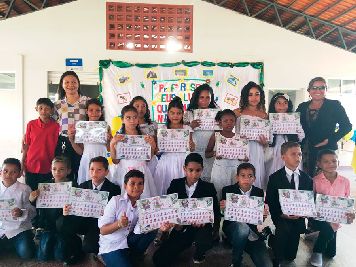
point(45, 38)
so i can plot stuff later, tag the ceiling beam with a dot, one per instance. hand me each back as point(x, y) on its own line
point(222, 2)
point(31, 5)
point(342, 38)
point(262, 10)
point(278, 17)
point(310, 28)
point(291, 3)
point(326, 33)
point(44, 3)
point(11, 5)
point(246, 8)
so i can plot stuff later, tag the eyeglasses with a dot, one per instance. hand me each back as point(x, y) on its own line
point(321, 88)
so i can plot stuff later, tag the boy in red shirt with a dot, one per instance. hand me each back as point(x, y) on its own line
point(40, 143)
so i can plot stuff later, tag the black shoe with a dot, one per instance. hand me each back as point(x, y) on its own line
point(199, 259)
point(74, 259)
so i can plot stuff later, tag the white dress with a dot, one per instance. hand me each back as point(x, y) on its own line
point(201, 140)
point(126, 165)
point(223, 173)
point(273, 155)
point(169, 167)
point(150, 129)
point(90, 151)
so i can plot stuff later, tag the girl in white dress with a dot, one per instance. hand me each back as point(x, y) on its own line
point(147, 126)
point(280, 103)
point(224, 170)
point(170, 165)
point(252, 103)
point(202, 98)
point(95, 112)
point(130, 126)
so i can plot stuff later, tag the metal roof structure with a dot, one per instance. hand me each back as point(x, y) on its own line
point(330, 21)
point(13, 8)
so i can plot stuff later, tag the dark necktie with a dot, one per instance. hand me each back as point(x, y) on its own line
point(292, 183)
point(95, 188)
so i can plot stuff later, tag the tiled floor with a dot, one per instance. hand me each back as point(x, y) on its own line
point(220, 256)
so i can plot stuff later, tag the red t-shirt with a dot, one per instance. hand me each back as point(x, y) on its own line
point(41, 139)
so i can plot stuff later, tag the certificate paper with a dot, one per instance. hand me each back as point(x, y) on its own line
point(91, 132)
point(207, 118)
point(297, 202)
point(195, 211)
point(333, 209)
point(53, 195)
point(87, 202)
point(231, 148)
point(154, 211)
point(253, 127)
point(6, 206)
point(285, 123)
point(173, 140)
point(133, 147)
point(241, 208)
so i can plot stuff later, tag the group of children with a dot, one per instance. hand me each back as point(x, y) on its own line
point(50, 154)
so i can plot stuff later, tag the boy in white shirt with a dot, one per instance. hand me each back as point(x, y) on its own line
point(119, 236)
point(17, 232)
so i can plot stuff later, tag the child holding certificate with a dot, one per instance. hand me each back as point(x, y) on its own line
point(288, 227)
point(15, 230)
point(52, 245)
point(130, 126)
point(170, 165)
point(280, 103)
point(95, 112)
point(147, 126)
point(224, 170)
point(182, 237)
point(243, 236)
point(252, 104)
point(119, 236)
point(202, 98)
point(328, 182)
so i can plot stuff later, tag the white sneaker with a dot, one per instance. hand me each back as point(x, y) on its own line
point(316, 259)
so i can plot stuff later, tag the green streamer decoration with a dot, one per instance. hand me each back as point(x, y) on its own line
point(104, 64)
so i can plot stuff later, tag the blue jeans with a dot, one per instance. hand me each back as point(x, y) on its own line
point(237, 234)
point(23, 243)
point(137, 243)
point(51, 246)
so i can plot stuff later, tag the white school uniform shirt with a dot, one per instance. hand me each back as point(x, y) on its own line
point(296, 176)
point(252, 236)
point(20, 192)
point(97, 187)
point(190, 189)
point(112, 213)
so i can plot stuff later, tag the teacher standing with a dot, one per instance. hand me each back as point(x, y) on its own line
point(324, 122)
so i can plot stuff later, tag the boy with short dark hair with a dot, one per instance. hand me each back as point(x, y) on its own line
point(243, 236)
point(119, 236)
point(288, 228)
point(98, 170)
point(17, 233)
point(40, 143)
point(182, 237)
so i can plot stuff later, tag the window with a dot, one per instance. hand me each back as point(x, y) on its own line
point(7, 80)
point(339, 86)
point(149, 27)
